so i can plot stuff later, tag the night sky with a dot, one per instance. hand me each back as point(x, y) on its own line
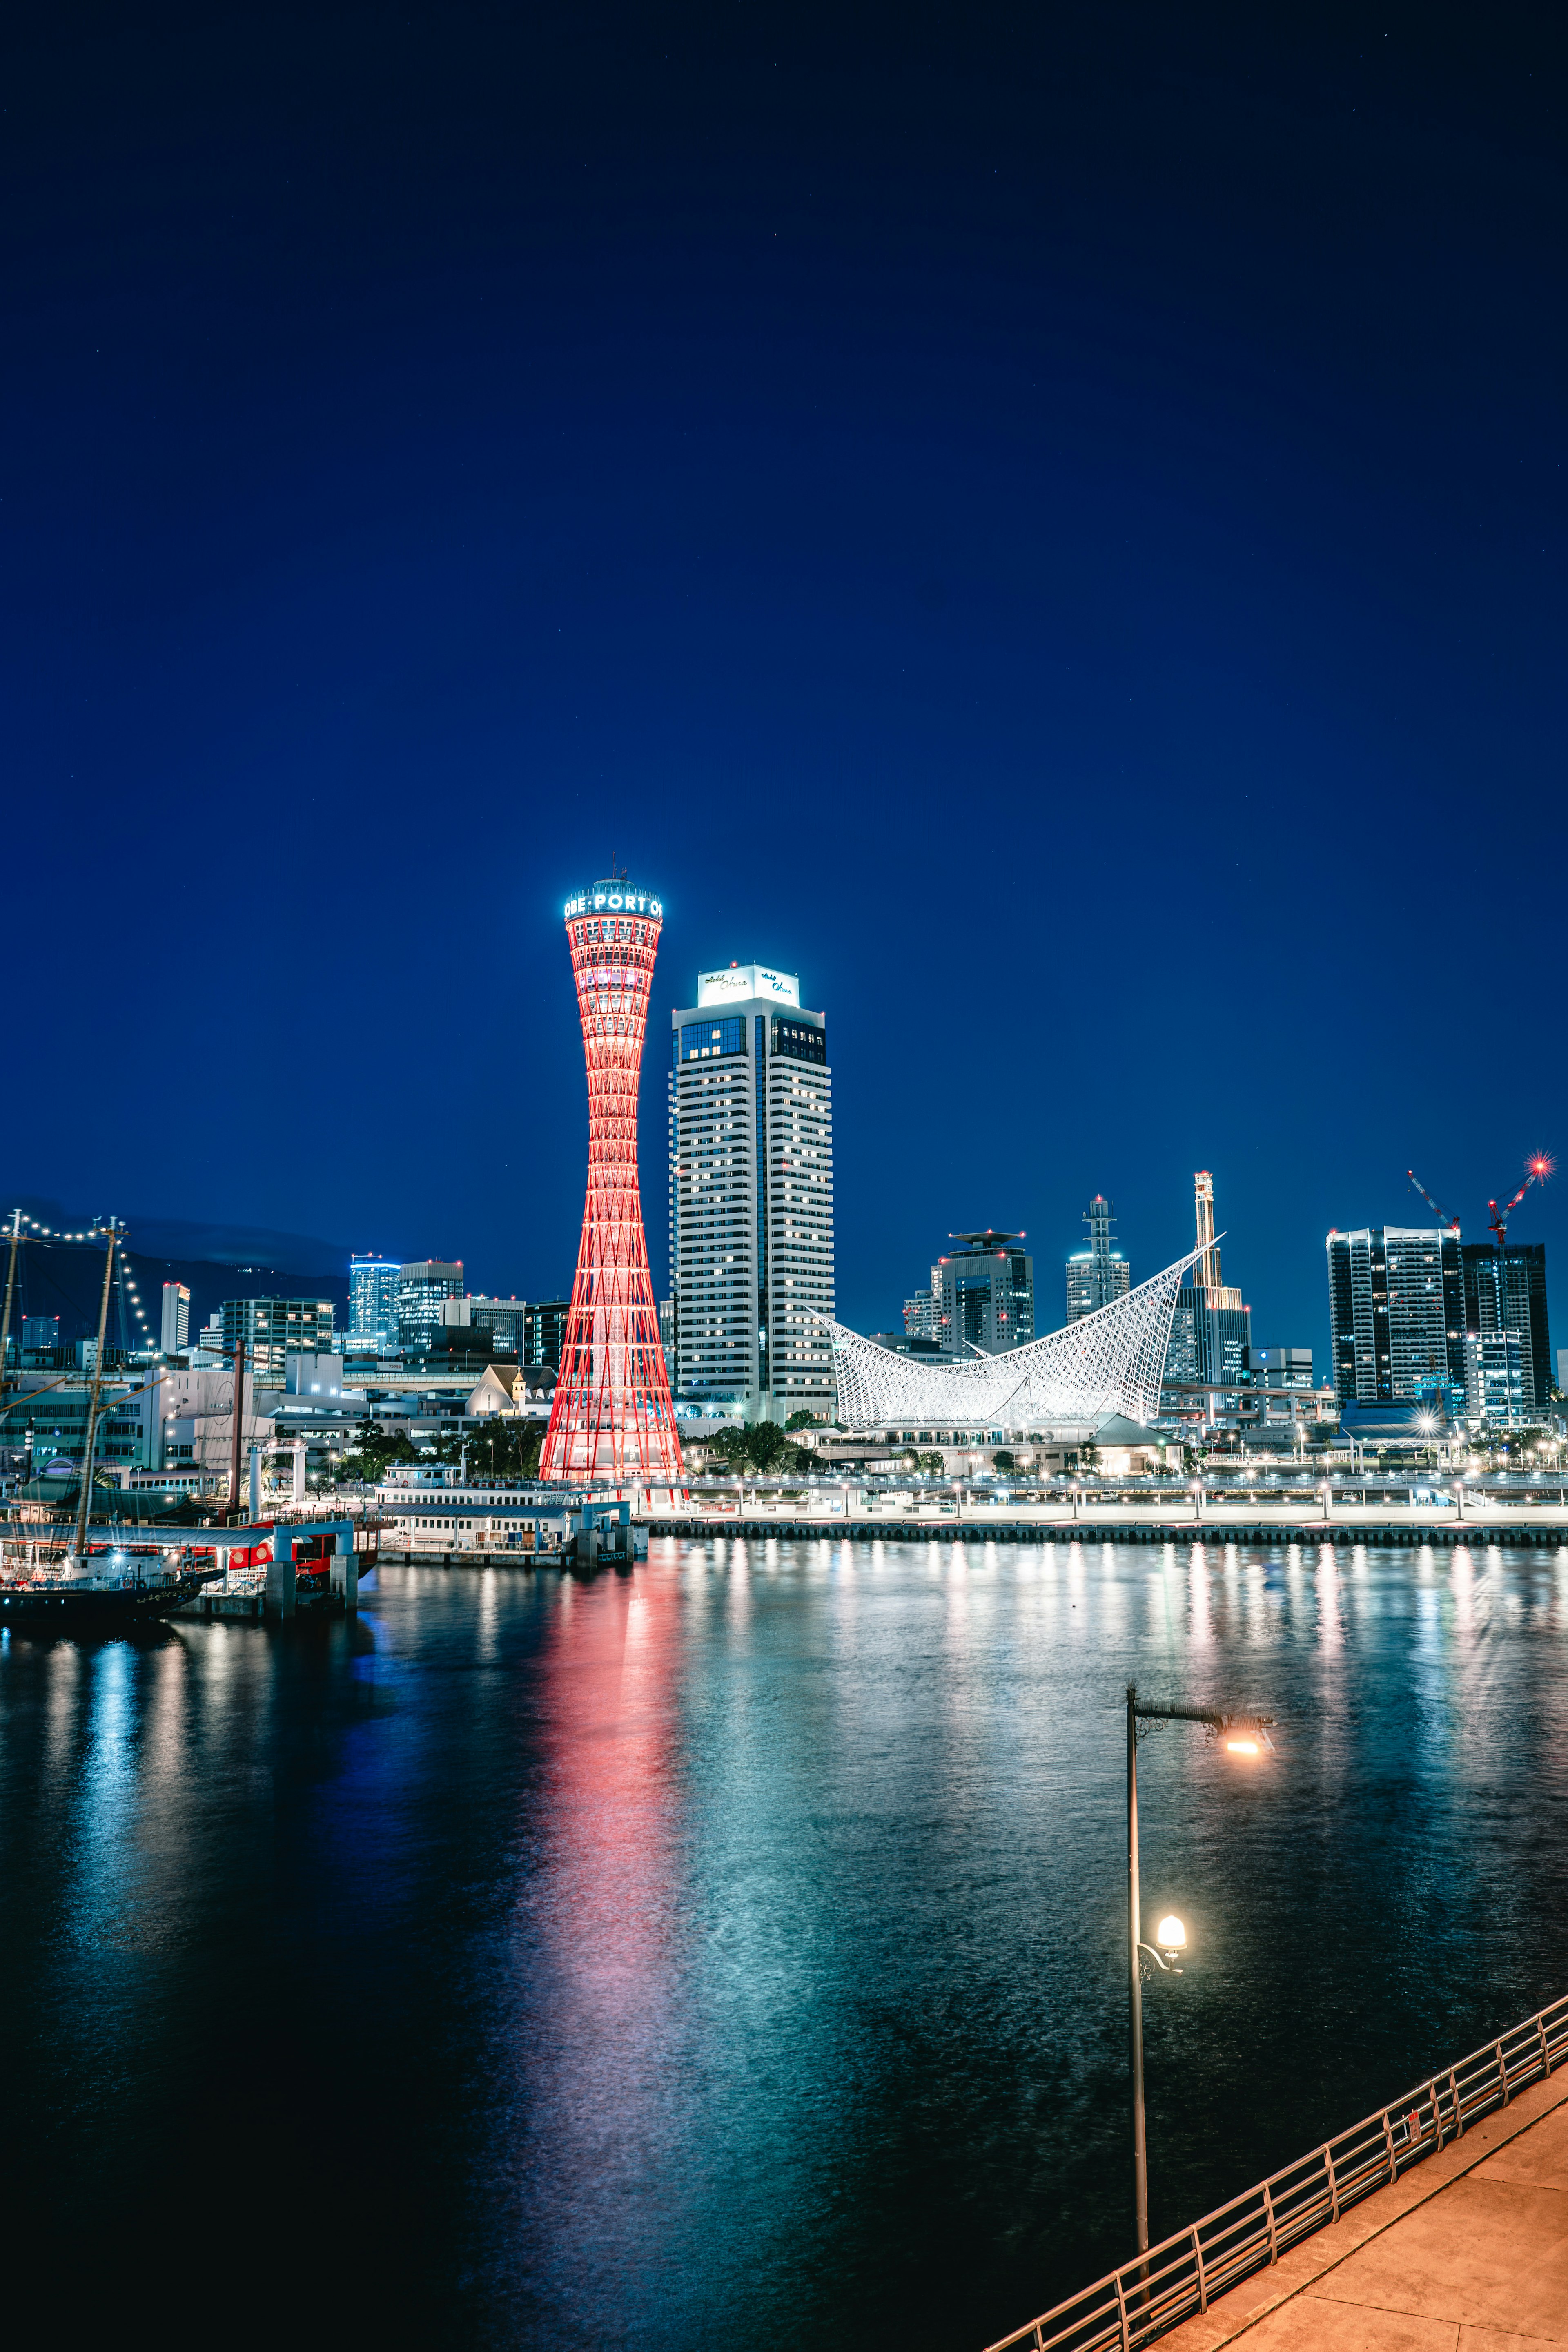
point(1048, 522)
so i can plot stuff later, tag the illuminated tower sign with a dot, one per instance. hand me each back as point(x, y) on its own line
point(612, 1420)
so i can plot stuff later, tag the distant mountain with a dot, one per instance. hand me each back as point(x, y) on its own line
point(214, 1261)
point(178, 1237)
point(238, 1245)
point(65, 1279)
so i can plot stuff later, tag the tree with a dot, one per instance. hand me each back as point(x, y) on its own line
point(801, 1419)
point(1003, 1460)
point(376, 1450)
point(759, 1447)
point(1089, 1457)
point(932, 1461)
point(498, 1446)
point(763, 1450)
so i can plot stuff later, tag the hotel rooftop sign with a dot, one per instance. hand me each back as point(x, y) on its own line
point(741, 982)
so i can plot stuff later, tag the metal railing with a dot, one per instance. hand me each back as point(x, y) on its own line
point(1140, 2301)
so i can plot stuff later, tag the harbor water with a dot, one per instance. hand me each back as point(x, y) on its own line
point(733, 1950)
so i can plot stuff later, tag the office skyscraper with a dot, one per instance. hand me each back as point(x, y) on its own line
point(987, 1294)
point(423, 1286)
point(1396, 1312)
point(372, 1300)
point(923, 1313)
point(546, 1331)
point(751, 1195)
point(1099, 1274)
point(274, 1329)
point(174, 1331)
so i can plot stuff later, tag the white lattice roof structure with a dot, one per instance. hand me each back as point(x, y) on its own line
point(1108, 1362)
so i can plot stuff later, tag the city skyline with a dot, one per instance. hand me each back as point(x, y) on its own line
point(870, 1304)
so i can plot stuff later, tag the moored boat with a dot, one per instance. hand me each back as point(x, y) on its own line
point(109, 1598)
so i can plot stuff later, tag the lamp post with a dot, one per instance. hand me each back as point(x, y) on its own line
point(1244, 1735)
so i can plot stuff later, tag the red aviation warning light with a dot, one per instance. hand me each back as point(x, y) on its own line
point(1539, 1168)
point(613, 1423)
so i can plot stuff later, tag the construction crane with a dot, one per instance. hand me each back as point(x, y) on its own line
point(1539, 1168)
point(1443, 1216)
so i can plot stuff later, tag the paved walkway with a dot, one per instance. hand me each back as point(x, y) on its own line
point(1467, 2253)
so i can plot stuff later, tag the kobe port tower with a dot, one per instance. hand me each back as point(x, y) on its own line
point(611, 1425)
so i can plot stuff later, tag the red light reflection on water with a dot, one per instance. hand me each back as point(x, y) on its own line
point(601, 1941)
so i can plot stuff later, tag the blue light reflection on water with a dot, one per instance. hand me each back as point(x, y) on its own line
point(739, 1943)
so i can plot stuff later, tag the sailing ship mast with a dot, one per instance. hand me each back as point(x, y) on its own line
point(10, 1286)
point(86, 1501)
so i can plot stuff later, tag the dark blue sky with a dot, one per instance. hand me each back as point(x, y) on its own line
point(1048, 522)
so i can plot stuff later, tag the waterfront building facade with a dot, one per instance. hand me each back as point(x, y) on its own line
point(987, 1294)
point(612, 1419)
point(1099, 1274)
point(751, 1195)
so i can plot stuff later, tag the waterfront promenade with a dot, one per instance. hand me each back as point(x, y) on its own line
point(1467, 2253)
point(1302, 1518)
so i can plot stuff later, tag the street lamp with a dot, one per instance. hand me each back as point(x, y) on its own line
point(1244, 1735)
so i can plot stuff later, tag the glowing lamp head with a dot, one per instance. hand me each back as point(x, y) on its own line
point(1171, 1934)
point(1241, 1747)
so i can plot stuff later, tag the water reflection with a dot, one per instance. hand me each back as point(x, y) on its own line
point(739, 1943)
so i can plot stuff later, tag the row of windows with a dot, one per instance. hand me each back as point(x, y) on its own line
point(463, 1523)
point(704, 1041)
point(799, 1042)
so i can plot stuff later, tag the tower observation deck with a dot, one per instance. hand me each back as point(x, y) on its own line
point(611, 1422)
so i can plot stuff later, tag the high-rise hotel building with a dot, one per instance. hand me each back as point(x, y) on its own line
point(751, 1196)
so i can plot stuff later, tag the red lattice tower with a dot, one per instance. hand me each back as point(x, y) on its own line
point(612, 1421)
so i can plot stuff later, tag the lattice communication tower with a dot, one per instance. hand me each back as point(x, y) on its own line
point(611, 1422)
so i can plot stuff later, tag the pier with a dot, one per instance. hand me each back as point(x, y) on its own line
point(1537, 1527)
point(278, 1569)
point(1468, 2254)
point(1438, 2224)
